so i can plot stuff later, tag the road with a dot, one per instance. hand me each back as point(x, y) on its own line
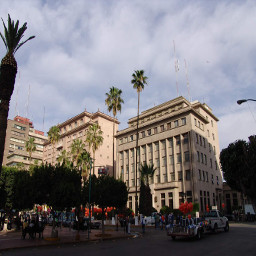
point(240, 240)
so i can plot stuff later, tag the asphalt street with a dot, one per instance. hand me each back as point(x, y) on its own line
point(240, 240)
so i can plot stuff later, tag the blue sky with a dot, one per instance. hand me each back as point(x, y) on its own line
point(82, 48)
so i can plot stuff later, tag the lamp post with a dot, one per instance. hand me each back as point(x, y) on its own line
point(90, 184)
point(239, 102)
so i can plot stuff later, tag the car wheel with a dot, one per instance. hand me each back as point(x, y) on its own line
point(215, 228)
point(199, 234)
point(226, 229)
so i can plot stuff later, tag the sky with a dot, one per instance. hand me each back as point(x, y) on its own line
point(84, 47)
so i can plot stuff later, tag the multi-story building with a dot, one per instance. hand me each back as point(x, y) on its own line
point(18, 133)
point(180, 138)
point(76, 128)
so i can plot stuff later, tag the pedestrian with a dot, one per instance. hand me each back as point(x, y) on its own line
point(143, 224)
point(162, 221)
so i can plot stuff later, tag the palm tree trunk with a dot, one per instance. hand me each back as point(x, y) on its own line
point(136, 160)
point(114, 148)
point(7, 81)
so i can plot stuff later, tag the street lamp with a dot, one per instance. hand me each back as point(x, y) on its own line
point(239, 102)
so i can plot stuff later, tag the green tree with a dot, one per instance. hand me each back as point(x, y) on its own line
point(138, 81)
point(83, 162)
point(94, 139)
point(110, 193)
point(30, 147)
point(77, 148)
point(114, 103)
point(54, 136)
point(8, 70)
point(238, 162)
point(145, 206)
point(146, 172)
point(63, 158)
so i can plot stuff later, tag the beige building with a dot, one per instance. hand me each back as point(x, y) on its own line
point(181, 139)
point(76, 128)
point(18, 133)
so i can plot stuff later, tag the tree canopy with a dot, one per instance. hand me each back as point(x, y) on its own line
point(238, 163)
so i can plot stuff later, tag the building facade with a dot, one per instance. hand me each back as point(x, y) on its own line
point(76, 128)
point(18, 132)
point(180, 138)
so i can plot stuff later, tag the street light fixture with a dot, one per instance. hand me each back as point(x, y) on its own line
point(239, 102)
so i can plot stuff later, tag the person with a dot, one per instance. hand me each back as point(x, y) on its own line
point(156, 221)
point(162, 221)
point(143, 224)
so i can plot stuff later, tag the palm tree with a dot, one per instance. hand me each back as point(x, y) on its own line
point(114, 101)
point(146, 172)
point(8, 70)
point(94, 139)
point(54, 136)
point(138, 81)
point(30, 147)
point(64, 158)
point(77, 148)
point(83, 161)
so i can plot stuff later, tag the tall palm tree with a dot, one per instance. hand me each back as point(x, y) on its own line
point(8, 70)
point(138, 81)
point(114, 101)
point(94, 139)
point(147, 171)
point(83, 161)
point(30, 147)
point(64, 158)
point(54, 136)
point(77, 148)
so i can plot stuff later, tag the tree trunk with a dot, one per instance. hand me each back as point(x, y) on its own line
point(136, 158)
point(114, 148)
point(7, 81)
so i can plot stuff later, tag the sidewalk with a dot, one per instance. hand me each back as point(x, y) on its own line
point(12, 239)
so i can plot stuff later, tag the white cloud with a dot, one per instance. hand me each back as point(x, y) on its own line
point(83, 48)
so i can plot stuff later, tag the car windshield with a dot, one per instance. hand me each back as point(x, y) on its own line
point(211, 214)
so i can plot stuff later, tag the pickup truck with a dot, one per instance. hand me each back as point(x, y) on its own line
point(215, 220)
point(187, 228)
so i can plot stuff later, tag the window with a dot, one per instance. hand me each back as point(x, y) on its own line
point(183, 121)
point(195, 122)
point(170, 200)
point(188, 175)
point(189, 193)
point(177, 138)
point(203, 176)
point(170, 142)
point(143, 134)
point(196, 138)
point(155, 130)
point(180, 175)
point(202, 158)
point(171, 158)
point(19, 127)
point(149, 132)
point(186, 154)
point(156, 146)
point(212, 179)
point(198, 156)
point(131, 137)
point(162, 128)
point(75, 124)
point(200, 140)
point(199, 174)
point(178, 158)
point(210, 162)
point(217, 179)
point(185, 138)
point(164, 161)
point(213, 137)
point(212, 123)
point(173, 176)
point(176, 123)
point(162, 199)
point(205, 159)
point(169, 126)
point(204, 142)
point(207, 180)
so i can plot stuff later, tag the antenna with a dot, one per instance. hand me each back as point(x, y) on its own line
point(176, 65)
point(43, 118)
point(17, 93)
point(186, 68)
point(27, 104)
